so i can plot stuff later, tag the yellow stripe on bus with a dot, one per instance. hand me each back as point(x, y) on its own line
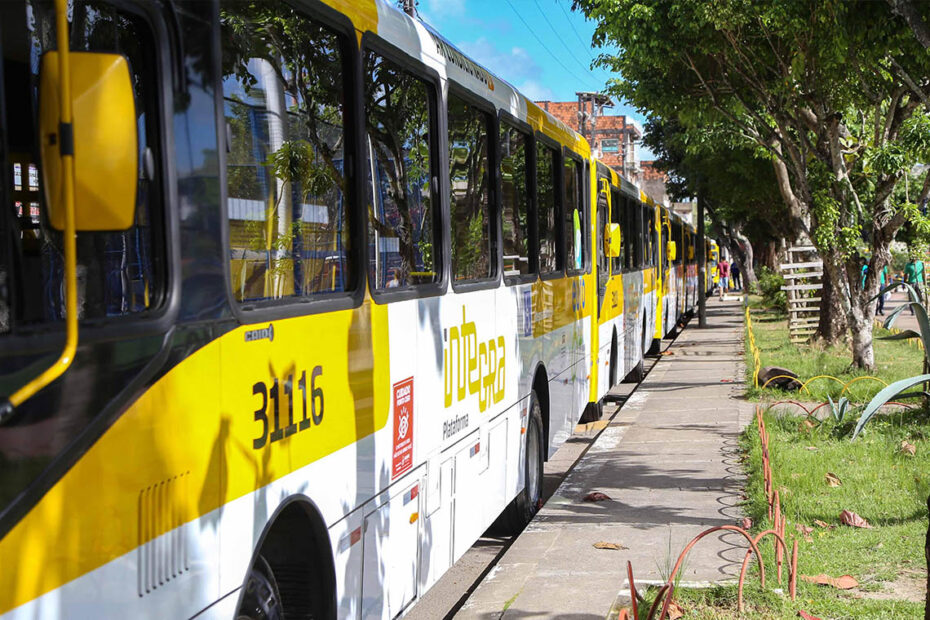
point(198, 423)
point(363, 13)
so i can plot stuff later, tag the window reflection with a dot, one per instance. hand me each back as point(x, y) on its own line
point(400, 207)
point(546, 169)
point(284, 105)
point(119, 273)
point(468, 176)
point(514, 201)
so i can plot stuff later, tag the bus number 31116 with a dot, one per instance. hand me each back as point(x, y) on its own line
point(312, 411)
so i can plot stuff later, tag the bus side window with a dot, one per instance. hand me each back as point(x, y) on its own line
point(631, 212)
point(402, 214)
point(602, 217)
point(618, 217)
point(469, 129)
point(654, 235)
point(515, 201)
point(285, 177)
point(574, 215)
point(119, 273)
point(547, 162)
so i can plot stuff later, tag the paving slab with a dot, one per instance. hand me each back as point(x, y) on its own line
point(668, 461)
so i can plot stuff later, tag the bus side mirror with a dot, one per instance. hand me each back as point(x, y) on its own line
point(103, 139)
point(612, 240)
point(672, 250)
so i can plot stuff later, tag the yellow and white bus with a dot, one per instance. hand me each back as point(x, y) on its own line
point(295, 300)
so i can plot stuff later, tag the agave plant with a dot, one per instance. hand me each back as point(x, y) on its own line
point(839, 409)
point(897, 389)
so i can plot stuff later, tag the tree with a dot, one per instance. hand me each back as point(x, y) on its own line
point(834, 93)
point(739, 187)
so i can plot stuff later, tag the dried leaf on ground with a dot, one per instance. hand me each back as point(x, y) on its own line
point(609, 545)
point(832, 479)
point(596, 496)
point(674, 612)
point(806, 426)
point(843, 582)
point(822, 524)
point(811, 448)
point(667, 353)
point(747, 523)
point(806, 616)
point(848, 517)
point(805, 531)
point(908, 448)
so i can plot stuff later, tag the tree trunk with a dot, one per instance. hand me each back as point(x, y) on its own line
point(832, 326)
point(861, 328)
point(745, 262)
point(769, 256)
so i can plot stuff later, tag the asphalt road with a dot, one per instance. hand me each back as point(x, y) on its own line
point(449, 594)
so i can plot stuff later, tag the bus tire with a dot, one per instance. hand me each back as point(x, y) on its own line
point(261, 599)
point(637, 374)
point(655, 347)
point(292, 573)
point(528, 502)
point(613, 362)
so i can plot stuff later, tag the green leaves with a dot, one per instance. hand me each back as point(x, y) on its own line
point(883, 397)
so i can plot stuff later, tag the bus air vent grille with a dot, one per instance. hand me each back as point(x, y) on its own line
point(163, 546)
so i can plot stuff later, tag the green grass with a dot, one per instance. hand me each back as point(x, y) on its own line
point(886, 487)
point(894, 360)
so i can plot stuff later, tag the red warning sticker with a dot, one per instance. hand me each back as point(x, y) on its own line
point(403, 427)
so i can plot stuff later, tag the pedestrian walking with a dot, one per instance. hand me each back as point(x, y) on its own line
point(723, 269)
point(737, 282)
point(914, 275)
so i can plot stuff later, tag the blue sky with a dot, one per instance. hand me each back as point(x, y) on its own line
point(547, 54)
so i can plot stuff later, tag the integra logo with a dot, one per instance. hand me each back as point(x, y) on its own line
point(260, 334)
point(471, 367)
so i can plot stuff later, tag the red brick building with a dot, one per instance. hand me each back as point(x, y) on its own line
point(653, 182)
point(613, 137)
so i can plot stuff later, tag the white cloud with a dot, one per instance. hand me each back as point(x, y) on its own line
point(440, 9)
point(513, 65)
point(534, 91)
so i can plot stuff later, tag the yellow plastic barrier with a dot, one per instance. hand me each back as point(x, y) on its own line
point(884, 383)
point(757, 365)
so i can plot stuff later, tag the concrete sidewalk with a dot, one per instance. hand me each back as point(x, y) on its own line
point(668, 461)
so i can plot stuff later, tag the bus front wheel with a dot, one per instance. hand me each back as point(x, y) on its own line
point(261, 600)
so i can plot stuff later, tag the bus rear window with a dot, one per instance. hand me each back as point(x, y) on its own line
point(119, 273)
